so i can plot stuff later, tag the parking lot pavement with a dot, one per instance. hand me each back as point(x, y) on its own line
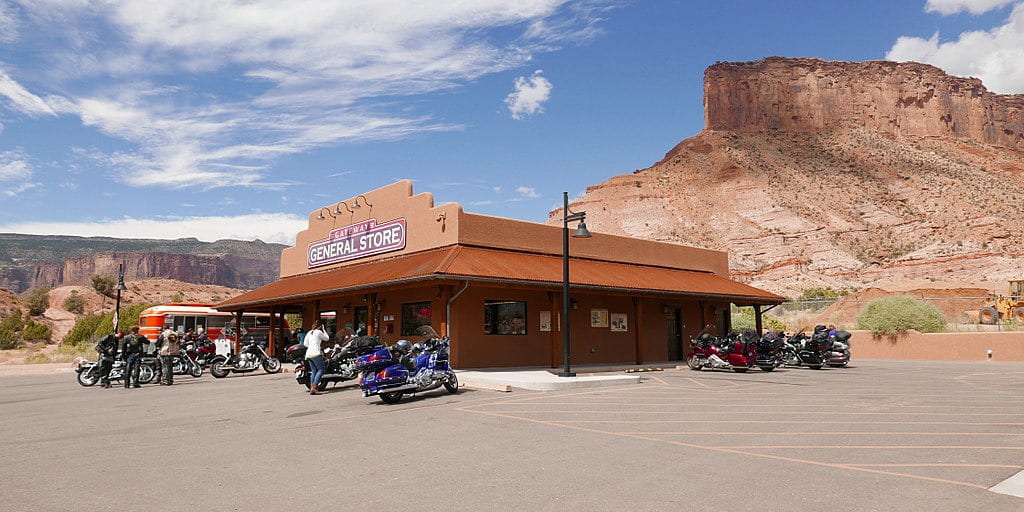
point(878, 436)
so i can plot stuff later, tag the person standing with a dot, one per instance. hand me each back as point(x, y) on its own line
point(168, 352)
point(158, 370)
point(314, 356)
point(134, 344)
point(106, 347)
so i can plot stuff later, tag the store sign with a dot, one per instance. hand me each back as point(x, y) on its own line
point(357, 241)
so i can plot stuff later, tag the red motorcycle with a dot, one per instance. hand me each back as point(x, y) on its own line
point(201, 349)
point(736, 351)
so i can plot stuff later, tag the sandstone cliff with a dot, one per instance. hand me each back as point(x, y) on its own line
point(814, 173)
point(27, 261)
point(811, 95)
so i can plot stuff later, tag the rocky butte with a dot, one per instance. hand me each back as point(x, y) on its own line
point(842, 174)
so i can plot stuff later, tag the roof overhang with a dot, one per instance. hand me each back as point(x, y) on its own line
point(482, 265)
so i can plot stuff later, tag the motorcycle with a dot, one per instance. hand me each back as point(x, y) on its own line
point(811, 351)
point(89, 372)
point(770, 352)
point(736, 352)
point(339, 360)
point(390, 372)
point(251, 357)
point(839, 351)
point(184, 364)
point(201, 350)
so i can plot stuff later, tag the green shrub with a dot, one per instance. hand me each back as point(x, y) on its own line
point(38, 301)
point(74, 303)
point(743, 318)
point(36, 332)
point(9, 329)
point(104, 285)
point(92, 327)
point(896, 315)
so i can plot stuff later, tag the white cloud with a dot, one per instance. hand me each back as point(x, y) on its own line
point(309, 74)
point(528, 95)
point(14, 167)
point(947, 7)
point(527, 192)
point(20, 99)
point(21, 188)
point(996, 56)
point(269, 227)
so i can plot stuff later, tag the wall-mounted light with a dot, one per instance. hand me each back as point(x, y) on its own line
point(320, 215)
point(356, 206)
point(344, 309)
point(380, 306)
point(573, 304)
point(666, 309)
point(337, 208)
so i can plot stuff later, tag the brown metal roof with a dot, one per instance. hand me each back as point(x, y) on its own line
point(479, 264)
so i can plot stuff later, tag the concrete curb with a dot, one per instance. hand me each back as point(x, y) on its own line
point(539, 380)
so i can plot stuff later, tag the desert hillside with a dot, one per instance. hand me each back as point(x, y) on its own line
point(849, 175)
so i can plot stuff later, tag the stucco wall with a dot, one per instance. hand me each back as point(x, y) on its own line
point(959, 346)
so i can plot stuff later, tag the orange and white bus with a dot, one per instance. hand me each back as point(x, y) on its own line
point(183, 317)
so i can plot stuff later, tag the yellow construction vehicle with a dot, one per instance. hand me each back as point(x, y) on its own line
point(1003, 308)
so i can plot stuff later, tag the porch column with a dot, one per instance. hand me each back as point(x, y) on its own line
point(371, 316)
point(238, 333)
point(638, 323)
point(271, 335)
point(445, 295)
point(757, 319)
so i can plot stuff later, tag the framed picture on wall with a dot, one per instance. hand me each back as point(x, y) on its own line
point(619, 322)
point(545, 321)
point(599, 318)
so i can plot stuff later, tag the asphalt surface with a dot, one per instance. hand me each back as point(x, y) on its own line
point(878, 436)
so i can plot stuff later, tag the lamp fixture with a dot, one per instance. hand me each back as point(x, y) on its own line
point(320, 215)
point(356, 206)
point(581, 232)
point(337, 208)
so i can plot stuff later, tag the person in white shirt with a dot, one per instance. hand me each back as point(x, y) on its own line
point(314, 356)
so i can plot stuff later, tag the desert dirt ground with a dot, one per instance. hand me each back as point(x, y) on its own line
point(877, 436)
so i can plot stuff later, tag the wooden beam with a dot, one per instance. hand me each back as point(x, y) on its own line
point(638, 324)
point(238, 332)
point(757, 319)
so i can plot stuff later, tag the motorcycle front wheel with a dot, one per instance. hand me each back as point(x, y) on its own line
point(391, 398)
point(88, 377)
point(451, 384)
point(693, 363)
point(766, 368)
point(197, 370)
point(217, 371)
point(271, 365)
point(145, 374)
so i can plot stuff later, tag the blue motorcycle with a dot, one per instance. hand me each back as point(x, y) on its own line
point(402, 368)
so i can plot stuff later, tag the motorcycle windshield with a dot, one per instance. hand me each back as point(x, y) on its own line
point(426, 331)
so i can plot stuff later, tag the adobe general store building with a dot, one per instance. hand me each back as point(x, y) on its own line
point(390, 261)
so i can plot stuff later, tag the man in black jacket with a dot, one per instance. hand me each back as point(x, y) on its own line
point(107, 349)
point(134, 344)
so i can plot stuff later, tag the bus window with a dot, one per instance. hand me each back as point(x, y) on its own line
point(218, 322)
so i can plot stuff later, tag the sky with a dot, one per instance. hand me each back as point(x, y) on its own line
point(236, 119)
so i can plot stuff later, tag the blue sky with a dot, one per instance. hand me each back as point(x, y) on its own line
point(235, 119)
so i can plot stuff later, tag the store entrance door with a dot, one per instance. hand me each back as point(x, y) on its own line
point(675, 334)
point(360, 319)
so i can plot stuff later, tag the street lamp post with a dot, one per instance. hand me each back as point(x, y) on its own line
point(581, 232)
point(120, 287)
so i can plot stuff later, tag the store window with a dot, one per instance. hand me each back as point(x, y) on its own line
point(415, 315)
point(504, 317)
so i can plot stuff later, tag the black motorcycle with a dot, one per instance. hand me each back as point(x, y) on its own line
point(339, 360)
point(839, 350)
point(811, 351)
point(89, 372)
point(251, 357)
point(770, 351)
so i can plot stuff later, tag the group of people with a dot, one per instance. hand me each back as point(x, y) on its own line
point(131, 347)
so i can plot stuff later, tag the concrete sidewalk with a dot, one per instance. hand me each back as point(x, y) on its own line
point(545, 379)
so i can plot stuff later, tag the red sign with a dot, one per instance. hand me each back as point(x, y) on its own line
point(357, 241)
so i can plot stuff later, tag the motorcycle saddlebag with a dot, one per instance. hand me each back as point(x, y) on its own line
point(377, 359)
point(295, 352)
point(843, 336)
point(361, 345)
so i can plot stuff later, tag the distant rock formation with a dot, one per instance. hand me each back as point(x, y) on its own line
point(27, 261)
point(811, 95)
point(814, 173)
